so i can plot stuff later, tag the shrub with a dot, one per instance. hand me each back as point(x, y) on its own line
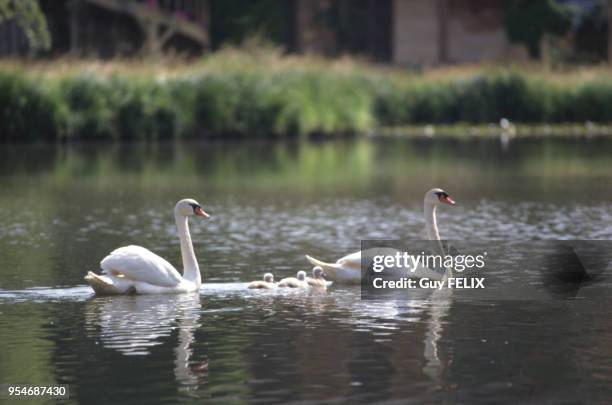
point(293, 99)
point(91, 102)
point(28, 111)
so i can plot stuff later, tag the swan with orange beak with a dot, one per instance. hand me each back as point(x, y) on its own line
point(347, 269)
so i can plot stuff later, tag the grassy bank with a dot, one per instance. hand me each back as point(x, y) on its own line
point(259, 92)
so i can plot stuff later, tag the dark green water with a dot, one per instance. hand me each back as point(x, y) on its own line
point(63, 208)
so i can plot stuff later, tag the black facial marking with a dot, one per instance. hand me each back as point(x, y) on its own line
point(194, 206)
point(441, 194)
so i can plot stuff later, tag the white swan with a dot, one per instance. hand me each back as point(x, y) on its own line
point(317, 279)
point(292, 282)
point(348, 268)
point(136, 270)
point(267, 283)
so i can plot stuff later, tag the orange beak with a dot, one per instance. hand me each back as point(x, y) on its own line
point(447, 200)
point(200, 212)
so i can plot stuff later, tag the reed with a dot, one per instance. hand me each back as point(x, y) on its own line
point(260, 92)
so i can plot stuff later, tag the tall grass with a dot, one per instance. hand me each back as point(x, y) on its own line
point(28, 111)
point(260, 93)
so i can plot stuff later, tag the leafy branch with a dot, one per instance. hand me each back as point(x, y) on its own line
point(28, 15)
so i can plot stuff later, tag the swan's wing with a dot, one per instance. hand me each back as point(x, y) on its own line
point(140, 264)
point(352, 261)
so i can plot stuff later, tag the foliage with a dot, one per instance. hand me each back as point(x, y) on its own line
point(591, 34)
point(264, 94)
point(28, 111)
point(30, 18)
point(528, 20)
point(233, 21)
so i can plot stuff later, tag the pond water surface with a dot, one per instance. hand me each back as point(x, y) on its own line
point(64, 207)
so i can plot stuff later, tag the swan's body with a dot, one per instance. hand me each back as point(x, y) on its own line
point(348, 268)
point(317, 279)
point(267, 283)
point(136, 270)
point(293, 282)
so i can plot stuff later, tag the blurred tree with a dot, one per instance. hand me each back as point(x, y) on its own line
point(234, 21)
point(527, 21)
point(27, 14)
point(591, 34)
point(361, 27)
point(609, 31)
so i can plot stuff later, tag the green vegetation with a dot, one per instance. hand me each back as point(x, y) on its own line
point(527, 21)
point(258, 92)
point(234, 21)
point(28, 15)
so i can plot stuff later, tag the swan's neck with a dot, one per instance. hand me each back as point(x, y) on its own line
point(431, 226)
point(430, 222)
point(191, 270)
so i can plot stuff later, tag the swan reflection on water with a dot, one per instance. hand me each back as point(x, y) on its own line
point(132, 325)
point(425, 310)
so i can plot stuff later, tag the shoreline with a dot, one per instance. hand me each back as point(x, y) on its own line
point(409, 132)
point(463, 131)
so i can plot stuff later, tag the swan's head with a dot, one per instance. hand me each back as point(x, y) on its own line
point(301, 275)
point(189, 207)
point(437, 196)
point(268, 278)
point(317, 272)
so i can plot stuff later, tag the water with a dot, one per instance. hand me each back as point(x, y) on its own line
point(63, 208)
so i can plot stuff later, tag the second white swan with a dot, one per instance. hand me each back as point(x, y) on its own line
point(348, 268)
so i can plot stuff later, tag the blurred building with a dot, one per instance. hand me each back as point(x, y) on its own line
point(409, 32)
point(404, 32)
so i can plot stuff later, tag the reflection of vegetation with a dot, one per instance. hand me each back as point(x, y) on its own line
point(49, 182)
point(25, 363)
point(262, 166)
point(308, 168)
